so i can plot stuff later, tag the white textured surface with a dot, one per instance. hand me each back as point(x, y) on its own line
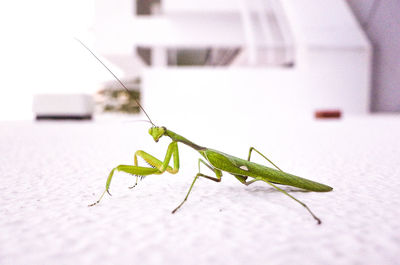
point(50, 172)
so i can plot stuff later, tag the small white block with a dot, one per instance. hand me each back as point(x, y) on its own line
point(63, 105)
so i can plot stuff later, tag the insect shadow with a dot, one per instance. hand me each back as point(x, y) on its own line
point(260, 189)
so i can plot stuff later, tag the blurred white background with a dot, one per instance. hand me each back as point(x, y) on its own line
point(38, 52)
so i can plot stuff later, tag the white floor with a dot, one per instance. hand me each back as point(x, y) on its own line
point(51, 171)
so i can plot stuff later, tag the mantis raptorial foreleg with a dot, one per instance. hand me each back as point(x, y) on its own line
point(156, 163)
point(217, 172)
point(133, 170)
point(156, 166)
point(252, 148)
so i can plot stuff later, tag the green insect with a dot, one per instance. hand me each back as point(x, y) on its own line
point(216, 161)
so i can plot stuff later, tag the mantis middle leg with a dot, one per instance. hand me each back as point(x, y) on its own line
point(217, 172)
point(156, 166)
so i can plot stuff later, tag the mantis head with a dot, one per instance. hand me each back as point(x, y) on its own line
point(157, 132)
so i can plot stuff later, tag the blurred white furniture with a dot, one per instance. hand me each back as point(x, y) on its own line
point(63, 106)
point(296, 56)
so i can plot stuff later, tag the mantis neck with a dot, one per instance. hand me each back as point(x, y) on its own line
point(178, 138)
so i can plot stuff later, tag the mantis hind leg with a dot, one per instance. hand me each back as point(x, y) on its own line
point(272, 183)
point(280, 190)
point(243, 179)
point(217, 172)
point(302, 203)
point(252, 148)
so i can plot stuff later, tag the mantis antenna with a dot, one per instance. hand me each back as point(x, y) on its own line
point(137, 102)
point(139, 121)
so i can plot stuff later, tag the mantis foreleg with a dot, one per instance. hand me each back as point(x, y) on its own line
point(156, 163)
point(217, 172)
point(156, 166)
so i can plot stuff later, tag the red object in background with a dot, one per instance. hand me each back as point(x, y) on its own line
point(328, 114)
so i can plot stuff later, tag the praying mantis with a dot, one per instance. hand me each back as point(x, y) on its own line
point(214, 160)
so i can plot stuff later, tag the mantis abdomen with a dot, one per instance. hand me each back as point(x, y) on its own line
point(238, 166)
